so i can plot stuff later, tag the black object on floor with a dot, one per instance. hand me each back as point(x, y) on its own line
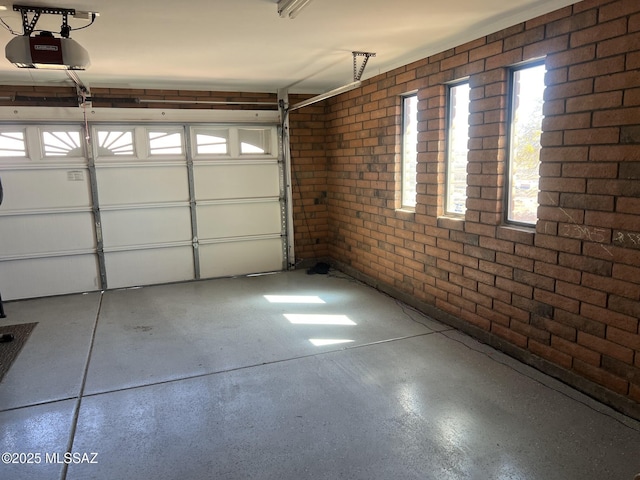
point(10, 349)
point(321, 268)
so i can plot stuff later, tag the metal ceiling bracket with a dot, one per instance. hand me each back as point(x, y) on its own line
point(28, 26)
point(84, 95)
point(357, 73)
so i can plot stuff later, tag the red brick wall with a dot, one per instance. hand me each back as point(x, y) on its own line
point(309, 182)
point(565, 294)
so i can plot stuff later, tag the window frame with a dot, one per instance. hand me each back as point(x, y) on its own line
point(403, 156)
point(512, 105)
point(449, 120)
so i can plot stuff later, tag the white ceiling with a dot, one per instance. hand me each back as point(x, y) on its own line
point(243, 45)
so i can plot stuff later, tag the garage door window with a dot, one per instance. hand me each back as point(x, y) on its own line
point(61, 143)
point(254, 141)
point(165, 143)
point(115, 142)
point(212, 142)
point(12, 144)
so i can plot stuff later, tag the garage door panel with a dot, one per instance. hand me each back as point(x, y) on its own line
point(140, 226)
point(142, 185)
point(149, 210)
point(241, 257)
point(51, 188)
point(150, 266)
point(226, 181)
point(239, 219)
point(38, 277)
point(47, 233)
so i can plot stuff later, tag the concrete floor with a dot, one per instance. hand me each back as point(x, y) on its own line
point(213, 380)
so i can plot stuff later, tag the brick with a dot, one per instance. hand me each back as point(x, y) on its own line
point(627, 273)
point(625, 306)
point(485, 51)
point(630, 134)
point(514, 261)
point(566, 122)
point(556, 328)
point(618, 221)
point(584, 264)
point(571, 57)
point(493, 292)
point(602, 377)
point(587, 202)
point(546, 47)
point(634, 393)
point(564, 154)
point(504, 59)
point(622, 337)
point(615, 153)
point(550, 353)
point(596, 101)
point(617, 10)
point(580, 87)
point(621, 116)
point(530, 331)
point(567, 304)
point(580, 323)
point(576, 351)
point(557, 214)
point(624, 44)
point(610, 285)
point(621, 369)
point(584, 294)
point(477, 298)
point(534, 253)
point(627, 188)
point(616, 81)
point(590, 170)
point(630, 171)
point(634, 23)
point(554, 107)
point(479, 276)
point(514, 287)
point(606, 347)
point(514, 234)
point(591, 136)
point(571, 23)
point(537, 309)
point(598, 33)
point(527, 37)
point(568, 245)
point(513, 337)
point(557, 271)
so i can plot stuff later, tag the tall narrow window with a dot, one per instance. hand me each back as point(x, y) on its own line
point(524, 146)
point(409, 150)
point(457, 148)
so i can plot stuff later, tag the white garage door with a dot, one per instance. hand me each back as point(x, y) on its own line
point(154, 204)
point(47, 239)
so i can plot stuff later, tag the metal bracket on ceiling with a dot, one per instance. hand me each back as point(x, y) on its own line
point(357, 73)
point(28, 26)
point(84, 95)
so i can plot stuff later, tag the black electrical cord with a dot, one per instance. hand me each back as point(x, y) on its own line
point(6, 25)
point(93, 19)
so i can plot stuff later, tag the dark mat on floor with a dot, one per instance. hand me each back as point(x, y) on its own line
point(9, 350)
